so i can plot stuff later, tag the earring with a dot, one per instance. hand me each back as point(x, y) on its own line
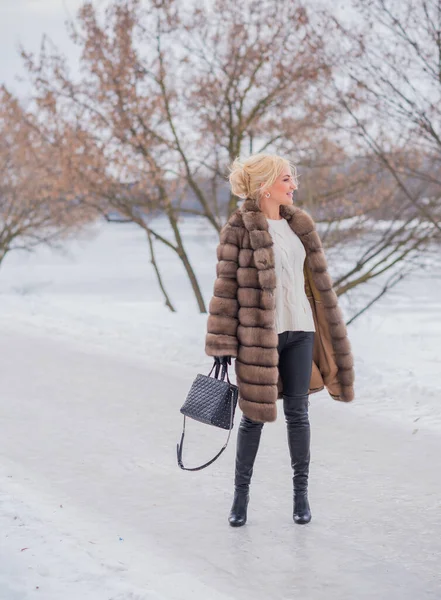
point(267, 195)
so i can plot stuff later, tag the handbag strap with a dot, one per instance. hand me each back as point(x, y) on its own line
point(216, 373)
point(180, 446)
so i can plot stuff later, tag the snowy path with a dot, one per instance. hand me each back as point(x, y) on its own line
point(87, 456)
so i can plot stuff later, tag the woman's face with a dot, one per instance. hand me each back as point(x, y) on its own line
point(282, 189)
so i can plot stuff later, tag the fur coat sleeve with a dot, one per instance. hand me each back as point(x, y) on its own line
point(221, 338)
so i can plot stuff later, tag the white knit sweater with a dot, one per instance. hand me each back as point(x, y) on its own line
point(293, 311)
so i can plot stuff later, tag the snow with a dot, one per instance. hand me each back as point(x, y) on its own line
point(94, 369)
point(101, 291)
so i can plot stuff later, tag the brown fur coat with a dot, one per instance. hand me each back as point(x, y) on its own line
point(241, 322)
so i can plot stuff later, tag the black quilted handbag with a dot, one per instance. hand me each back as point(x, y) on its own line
point(212, 401)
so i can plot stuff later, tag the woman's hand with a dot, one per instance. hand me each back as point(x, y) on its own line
point(223, 360)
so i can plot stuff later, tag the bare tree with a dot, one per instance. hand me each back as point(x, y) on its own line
point(387, 81)
point(169, 94)
point(253, 85)
point(392, 92)
point(116, 119)
point(166, 117)
point(35, 208)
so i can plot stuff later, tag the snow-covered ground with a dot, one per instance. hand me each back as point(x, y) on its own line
point(102, 292)
point(92, 505)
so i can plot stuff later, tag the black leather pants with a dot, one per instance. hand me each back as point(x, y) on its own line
point(295, 364)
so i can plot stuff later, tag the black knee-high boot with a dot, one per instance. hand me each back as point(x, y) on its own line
point(248, 439)
point(299, 436)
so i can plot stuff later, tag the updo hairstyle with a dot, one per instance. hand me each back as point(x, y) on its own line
point(247, 176)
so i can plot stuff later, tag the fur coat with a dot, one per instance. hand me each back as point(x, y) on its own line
point(241, 320)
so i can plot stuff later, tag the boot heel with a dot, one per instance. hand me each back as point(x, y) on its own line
point(238, 513)
point(302, 512)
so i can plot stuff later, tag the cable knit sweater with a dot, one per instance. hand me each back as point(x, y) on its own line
point(293, 311)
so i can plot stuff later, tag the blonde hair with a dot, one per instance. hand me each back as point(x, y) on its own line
point(247, 176)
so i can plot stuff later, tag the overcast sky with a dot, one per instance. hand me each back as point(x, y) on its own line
point(25, 21)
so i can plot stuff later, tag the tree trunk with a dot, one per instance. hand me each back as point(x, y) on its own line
point(158, 274)
point(232, 204)
point(3, 253)
point(183, 255)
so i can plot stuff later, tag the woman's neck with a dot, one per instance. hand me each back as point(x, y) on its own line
point(270, 210)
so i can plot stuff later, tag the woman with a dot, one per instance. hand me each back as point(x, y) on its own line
point(274, 310)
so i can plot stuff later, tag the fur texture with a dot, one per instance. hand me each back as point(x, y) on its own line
point(242, 312)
